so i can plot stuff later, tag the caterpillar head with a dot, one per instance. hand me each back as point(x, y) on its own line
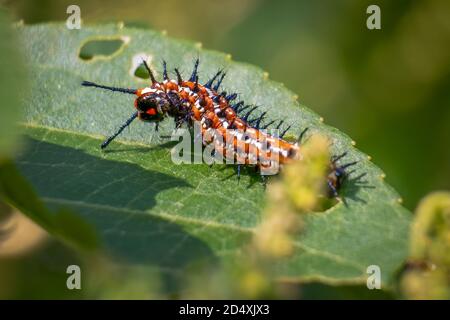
point(152, 107)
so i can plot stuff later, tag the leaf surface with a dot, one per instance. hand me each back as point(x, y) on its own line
point(146, 209)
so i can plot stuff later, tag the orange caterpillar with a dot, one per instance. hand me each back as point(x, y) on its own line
point(188, 101)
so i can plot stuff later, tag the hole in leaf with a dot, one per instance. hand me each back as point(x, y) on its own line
point(141, 72)
point(103, 48)
point(137, 66)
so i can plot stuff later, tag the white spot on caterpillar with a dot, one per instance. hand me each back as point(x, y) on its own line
point(147, 90)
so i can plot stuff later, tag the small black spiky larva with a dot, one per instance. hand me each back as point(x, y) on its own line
point(188, 101)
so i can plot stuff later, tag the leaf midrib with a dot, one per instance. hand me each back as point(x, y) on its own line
point(213, 224)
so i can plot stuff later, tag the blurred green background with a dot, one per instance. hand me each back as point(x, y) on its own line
point(388, 89)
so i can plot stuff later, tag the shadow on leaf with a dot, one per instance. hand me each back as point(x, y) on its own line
point(115, 198)
point(140, 149)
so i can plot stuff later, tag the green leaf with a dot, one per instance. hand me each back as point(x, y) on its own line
point(13, 187)
point(12, 85)
point(146, 209)
point(64, 224)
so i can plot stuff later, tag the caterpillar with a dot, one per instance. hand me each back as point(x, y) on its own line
point(188, 101)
